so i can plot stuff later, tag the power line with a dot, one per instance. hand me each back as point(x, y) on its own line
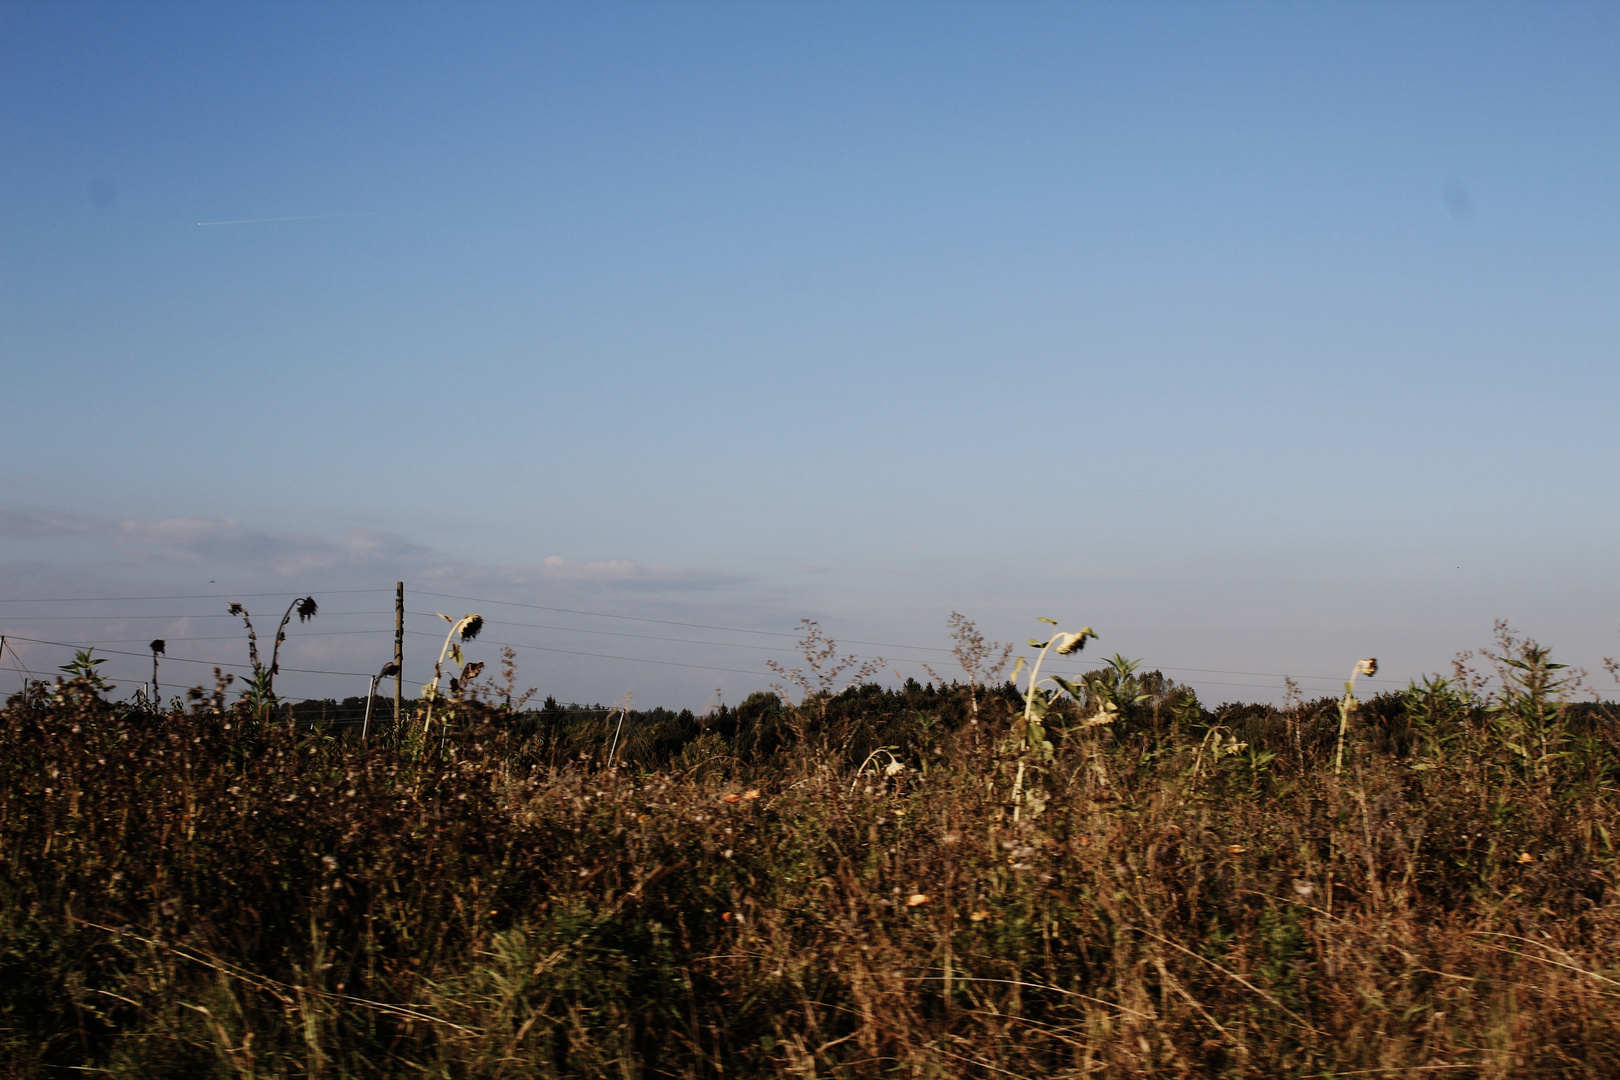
point(179, 659)
point(183, 596)
point(740, 671)
point(513, 645)
point(621, 634)
point(644, 637)
point(849, 641)
point(224, 637)
point(122, 618)
point(575, 630)
point(609, 656)
point(605, 615)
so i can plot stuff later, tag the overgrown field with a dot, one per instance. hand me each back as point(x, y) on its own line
point(1106, 879)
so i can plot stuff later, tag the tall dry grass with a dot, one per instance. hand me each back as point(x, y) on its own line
point(201, 894)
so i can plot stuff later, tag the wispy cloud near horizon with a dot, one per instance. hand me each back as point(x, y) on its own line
point(22, 522)
point(231, 549)
point(227, 543)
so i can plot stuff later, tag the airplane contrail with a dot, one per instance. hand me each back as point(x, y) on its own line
point(300, 217)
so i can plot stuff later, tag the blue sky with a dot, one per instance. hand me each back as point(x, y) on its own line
point(1259, 337)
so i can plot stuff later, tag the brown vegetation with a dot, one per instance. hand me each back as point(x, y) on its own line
point(1183, 893)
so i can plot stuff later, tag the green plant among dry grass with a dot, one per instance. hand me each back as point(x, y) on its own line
point(194, 894)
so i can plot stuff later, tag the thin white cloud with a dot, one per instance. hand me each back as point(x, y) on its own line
point(227, 543)
point(621, 570)
point(228, 548)
point(27, 522)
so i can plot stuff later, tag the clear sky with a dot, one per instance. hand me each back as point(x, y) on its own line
point(1260, 337)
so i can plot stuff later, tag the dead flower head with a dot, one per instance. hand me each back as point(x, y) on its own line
point(1066, 644)
point(1368, 667)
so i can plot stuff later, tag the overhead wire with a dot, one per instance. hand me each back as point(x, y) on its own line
point(119, 618)
point(231, 637)
point(179, 659)
point(606, 615)
point(851, 641)
point(622, 634)
point(182, 596)
point(606, 656)
point(567, 652)
point(759, 674)
point(599, 614)
point(649, 637)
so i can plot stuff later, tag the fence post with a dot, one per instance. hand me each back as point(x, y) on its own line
point(371, 695)
point(399, 650)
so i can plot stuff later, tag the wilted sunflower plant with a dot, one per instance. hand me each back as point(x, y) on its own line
point(1029, 733)
point(1347, 705)
point(261, 685)
point(467, 627)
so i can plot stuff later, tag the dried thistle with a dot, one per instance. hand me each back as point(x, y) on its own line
point(820, 683)
point(982, 660)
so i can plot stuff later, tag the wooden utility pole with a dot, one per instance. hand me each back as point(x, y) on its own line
point(399, 650)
